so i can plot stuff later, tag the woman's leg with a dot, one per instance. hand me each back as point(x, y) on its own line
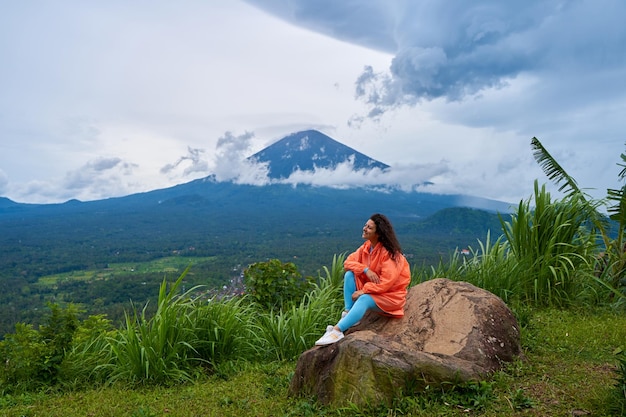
point(358, 310)
point(349, 287)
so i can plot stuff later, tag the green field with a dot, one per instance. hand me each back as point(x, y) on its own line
point(169, 267)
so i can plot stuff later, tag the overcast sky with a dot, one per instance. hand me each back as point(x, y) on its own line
point(109, 98)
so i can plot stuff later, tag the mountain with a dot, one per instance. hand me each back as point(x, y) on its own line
point(308, 150)
point(223, 227)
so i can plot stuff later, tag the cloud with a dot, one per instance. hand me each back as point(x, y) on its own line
point(344, 175)
point(196, 163)
point(4, 181)
point(231, 163)
point(456, 50)
point(105, 173)
point(97, 179)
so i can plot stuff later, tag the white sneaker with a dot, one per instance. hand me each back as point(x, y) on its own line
point(331, 336)
point(344, 313)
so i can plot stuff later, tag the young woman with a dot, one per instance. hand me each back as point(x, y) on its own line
point(377, 276)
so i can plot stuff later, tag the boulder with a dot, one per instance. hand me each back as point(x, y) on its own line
point(452, 332)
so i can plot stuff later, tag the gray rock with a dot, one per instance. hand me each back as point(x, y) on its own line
point(451, 332)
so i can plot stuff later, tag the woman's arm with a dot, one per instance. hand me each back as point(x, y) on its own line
point(354, 261)
point(389, 272)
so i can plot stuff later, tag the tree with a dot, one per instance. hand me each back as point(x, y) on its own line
point(274, 284)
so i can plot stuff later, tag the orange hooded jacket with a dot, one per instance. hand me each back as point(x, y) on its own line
point(395, 276)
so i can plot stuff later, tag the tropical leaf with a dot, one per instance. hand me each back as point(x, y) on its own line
point(617, 211)
point(553, 170)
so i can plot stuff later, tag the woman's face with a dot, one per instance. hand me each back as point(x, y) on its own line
point(369, 231)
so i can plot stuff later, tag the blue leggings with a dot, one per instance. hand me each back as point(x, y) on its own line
point(356, 309)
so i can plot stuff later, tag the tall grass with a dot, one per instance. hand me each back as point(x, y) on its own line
point(550, 244)
point(545, 256)
point(222, 329)
point(285, 334)
point(491, 267)
point(156, 349)
point(91, 350)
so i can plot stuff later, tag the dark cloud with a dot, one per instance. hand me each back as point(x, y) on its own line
point(458, 49)
point(367, 23)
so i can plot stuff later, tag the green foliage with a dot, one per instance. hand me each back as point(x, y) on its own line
point(23, 353)
point(519, 400)
point(334, 275)
point(57, 334)
point(221, 328)
point(618, 400)
point(274, 284)
point(469, 396)
point(284, 334)
point(567, 370)
point(550, 245)
point(610, 268)
point(84, 363)
point(491, 267)
point(157, 349)
point(32, 357)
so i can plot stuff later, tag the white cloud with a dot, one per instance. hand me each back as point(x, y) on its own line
point(4, 181)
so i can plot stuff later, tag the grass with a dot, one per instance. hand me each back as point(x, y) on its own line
point(569, 367)
point(171, 265)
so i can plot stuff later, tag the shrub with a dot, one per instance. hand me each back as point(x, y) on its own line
point(274, 284)
point(32, 358)
point(283, 334)
point(84, 362)
point(23, 353)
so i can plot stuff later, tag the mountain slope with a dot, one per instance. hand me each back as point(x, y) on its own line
point(308, 150)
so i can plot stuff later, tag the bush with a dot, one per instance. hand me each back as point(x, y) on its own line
point(274, 284)
point(32, 358)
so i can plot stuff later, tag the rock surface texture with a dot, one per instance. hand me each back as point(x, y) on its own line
point(451, 332)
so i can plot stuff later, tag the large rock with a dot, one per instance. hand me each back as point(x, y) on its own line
point(451, 332)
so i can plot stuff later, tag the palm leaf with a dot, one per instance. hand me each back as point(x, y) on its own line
point(618, 197)
point(553, 170)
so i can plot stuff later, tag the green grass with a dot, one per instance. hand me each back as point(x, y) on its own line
point(570, 362)
point(170, 265)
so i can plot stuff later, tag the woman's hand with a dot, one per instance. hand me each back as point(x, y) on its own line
point(357, 294)
point(372, 276)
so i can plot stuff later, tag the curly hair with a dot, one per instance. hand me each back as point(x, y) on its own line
point(386, 234)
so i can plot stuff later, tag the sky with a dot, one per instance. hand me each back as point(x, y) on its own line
point(111, 98)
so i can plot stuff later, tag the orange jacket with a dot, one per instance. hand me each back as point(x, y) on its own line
point(395, 276)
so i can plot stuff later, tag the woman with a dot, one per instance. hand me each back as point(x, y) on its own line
point(377, 276)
